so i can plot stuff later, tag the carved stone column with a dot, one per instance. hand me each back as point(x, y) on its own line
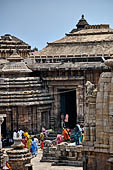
point(1, 121)
point(1, 154)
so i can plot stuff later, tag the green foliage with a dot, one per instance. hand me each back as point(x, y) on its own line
point(35, 49)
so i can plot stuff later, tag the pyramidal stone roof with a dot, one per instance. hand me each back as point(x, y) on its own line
point(16, 67)
point(15, 64)
point(10, 42)
point(84, 40)
point(15, 57)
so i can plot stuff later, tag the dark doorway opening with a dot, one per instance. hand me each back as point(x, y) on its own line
point(68, 105)
point(3, 128)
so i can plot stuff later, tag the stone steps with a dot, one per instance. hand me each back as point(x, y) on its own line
point(51, 136)
point(67, 163)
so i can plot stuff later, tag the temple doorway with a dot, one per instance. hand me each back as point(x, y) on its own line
point(68, 105)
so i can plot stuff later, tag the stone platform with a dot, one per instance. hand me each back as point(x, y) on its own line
point(63, 154)
point(38, 165)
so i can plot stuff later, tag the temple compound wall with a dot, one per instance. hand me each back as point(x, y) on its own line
point(98, 145)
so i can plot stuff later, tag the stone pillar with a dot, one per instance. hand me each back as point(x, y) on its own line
point(1, 159)
point(39, 119)
point(1, 121)
point(87, 133)
point(90, 119)
point(80, 103)
point(111, 142)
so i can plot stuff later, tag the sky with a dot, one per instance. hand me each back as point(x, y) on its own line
point(37, 22)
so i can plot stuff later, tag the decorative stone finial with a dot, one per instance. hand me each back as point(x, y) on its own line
point(82, 23)
point(82, 16)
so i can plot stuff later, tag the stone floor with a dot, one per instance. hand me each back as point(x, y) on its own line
point(37, 165)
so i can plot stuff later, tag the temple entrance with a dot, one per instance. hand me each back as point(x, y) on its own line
point(68, 105)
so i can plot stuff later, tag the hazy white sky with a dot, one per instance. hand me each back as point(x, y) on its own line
point(40, 21)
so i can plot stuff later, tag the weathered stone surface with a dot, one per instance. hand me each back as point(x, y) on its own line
point(100, 157)
point(63, 154)
point(19, 156)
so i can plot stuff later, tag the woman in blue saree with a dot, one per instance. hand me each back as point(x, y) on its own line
point(34, 147)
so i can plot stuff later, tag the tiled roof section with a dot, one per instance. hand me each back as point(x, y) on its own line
point(9, 42)
point(88, 35)
point(86, 41)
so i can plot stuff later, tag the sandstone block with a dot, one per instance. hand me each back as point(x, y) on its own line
point(106, 75)
point(100, 96)
point(107, 87)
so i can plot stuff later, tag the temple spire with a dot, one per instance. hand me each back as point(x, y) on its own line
point(81, 23)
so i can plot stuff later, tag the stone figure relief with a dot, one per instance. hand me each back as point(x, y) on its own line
point(90, 89)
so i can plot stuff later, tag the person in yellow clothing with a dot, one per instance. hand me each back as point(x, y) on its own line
point(82, 134)
point(29, 141)
point(26, 134)
point(83, 137)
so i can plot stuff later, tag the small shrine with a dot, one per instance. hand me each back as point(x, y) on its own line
point(19, 157)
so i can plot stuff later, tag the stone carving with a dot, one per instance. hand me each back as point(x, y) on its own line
point(95, 92)
point(89, 88)
point(109, 62)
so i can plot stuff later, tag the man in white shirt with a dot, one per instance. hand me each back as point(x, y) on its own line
point(14, 134)
point(20, 132)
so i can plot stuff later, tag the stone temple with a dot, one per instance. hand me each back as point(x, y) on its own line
point(67, 64)
point(39, 90)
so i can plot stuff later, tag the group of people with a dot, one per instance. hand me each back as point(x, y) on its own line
point(18, 134)
point(77, 134)
point(32, 143)
point(29, 141)
point(66, 136)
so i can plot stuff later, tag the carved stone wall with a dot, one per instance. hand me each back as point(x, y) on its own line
point(98, 145)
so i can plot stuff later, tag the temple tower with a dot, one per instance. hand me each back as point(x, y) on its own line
point(22, 98)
